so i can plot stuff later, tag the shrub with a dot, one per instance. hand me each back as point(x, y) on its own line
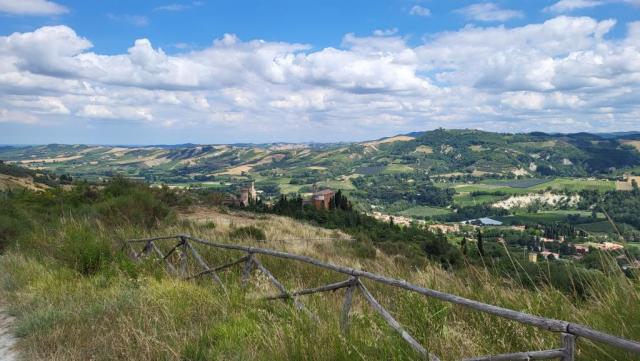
point(83, 251)
point(12, 224)
point(136, 208)
point(10, 228)
point(248, 232)
point(39, 321)
point(209, 225)
point(362, 249)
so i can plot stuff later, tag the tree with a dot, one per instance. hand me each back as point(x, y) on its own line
point(480, 242)
point(463, 245)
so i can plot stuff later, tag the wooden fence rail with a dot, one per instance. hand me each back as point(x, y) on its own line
point(568, 331)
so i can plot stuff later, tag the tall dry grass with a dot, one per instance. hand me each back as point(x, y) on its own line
point(126, 311)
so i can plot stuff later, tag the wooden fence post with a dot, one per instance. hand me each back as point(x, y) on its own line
point(346, 305)
point(183, 260)
point(395, 324)
point(162, 258)
point(570, 331)
point(203, 264)
point(246, 270)
point(148, 248)
point(568, 346)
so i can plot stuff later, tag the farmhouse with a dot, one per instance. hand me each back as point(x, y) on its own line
point(320, 199)
point(246, 196)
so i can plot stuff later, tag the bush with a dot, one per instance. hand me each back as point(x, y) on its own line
point(10, 228)
point(138, 208)
point(248, 232)
point(12, 224)
point(83, 251)
point(363, 249)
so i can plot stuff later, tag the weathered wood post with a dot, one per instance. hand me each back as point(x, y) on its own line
point(395, 324)
point(148, 248)
point(246, 270)
point(183, 258)
point(203, 264)
point(569, 331)
point(346, 305)
point(568, 346)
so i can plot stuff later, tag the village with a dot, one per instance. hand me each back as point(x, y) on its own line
point(533, 240)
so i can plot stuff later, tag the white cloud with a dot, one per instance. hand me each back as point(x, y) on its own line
point(96, 111)
point(489, 12)
point(40, 104)
point(32, 7)
point(564, 6)
point(418, 10)
point(567, 6)
point(178, 7)
point(135, 20)
point(12, 116)
point(538, 76)
point(385, 32)
point(101, 111)
point(172, 7)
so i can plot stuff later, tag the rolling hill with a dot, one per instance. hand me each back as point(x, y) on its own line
point(296, 167)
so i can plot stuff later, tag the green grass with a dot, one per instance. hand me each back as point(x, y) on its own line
point(576, 185)
point(337, 184)
point(519, 183)
point(397, 168)
point(566, 212)
point(604, 227)
point(77, 296)
point(136, 311)
point(467, 199)
point(285, 187)
point(566, 184)
point(424, 211)
point(552, 216)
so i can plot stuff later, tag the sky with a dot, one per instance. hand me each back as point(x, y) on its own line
point(238, 71)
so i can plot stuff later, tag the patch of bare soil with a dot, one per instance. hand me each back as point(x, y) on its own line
point(7, 339)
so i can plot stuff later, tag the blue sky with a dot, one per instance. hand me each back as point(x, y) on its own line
point(150, 72)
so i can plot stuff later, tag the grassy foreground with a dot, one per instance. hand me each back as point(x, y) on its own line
point(130, 311)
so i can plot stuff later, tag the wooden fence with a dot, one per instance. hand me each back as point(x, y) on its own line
point(568, 331)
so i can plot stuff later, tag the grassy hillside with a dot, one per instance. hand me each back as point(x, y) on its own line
point(439, 152)
point(402, 175)
point(77, 297)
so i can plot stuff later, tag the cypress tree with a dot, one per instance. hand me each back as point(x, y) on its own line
point(480, 242)
point(463, 245)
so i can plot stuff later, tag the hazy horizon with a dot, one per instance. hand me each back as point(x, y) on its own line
point(286, 142)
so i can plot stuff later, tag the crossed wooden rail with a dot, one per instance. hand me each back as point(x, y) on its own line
point(568, 331)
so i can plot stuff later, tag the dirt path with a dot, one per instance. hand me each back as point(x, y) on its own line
point(7, 340)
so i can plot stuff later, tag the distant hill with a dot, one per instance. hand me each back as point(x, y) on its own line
point(437, 153)
point(15, 177)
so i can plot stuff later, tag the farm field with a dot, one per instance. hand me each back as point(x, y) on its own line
point(546, 217)
point(397, 168)
point(423, 211)
point(519, 183)
point(576, 185)
point(604, 227)
point(466, 199)
point(534, 185)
